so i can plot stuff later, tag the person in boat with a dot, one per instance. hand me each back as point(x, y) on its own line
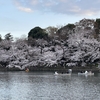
point(90, 72)
point(70, 70)
point(86, 72)
point(27, 70)
point(56, 73)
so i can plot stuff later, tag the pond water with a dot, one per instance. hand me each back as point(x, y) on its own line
point(47, 86)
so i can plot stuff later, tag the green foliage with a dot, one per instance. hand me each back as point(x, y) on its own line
point(70, 26)
point(98, 23)
point(0, 38)
point(98, 20)
point(8, 37)
point(37, 33)
point(97, 26)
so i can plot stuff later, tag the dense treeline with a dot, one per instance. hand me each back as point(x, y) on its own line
point(69, 46)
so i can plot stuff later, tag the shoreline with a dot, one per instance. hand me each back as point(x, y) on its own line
point(50, 69)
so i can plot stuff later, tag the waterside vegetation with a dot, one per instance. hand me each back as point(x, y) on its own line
point(75, 46)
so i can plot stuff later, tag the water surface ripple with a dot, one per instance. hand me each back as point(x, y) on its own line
point(47, 86)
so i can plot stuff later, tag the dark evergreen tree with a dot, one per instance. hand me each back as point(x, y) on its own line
point(8, 37)
point(37, 33)
point(0, 38)
point(97, 26)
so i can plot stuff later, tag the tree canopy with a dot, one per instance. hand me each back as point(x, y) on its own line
point(37, 33)
point(8, 37)
point(72, 46)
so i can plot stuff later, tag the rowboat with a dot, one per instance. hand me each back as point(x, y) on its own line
point(86, 73)
point(62, 74)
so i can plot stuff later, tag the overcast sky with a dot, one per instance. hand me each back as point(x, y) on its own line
point(19, 16)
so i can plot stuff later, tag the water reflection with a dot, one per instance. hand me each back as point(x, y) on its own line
point(46, 86)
